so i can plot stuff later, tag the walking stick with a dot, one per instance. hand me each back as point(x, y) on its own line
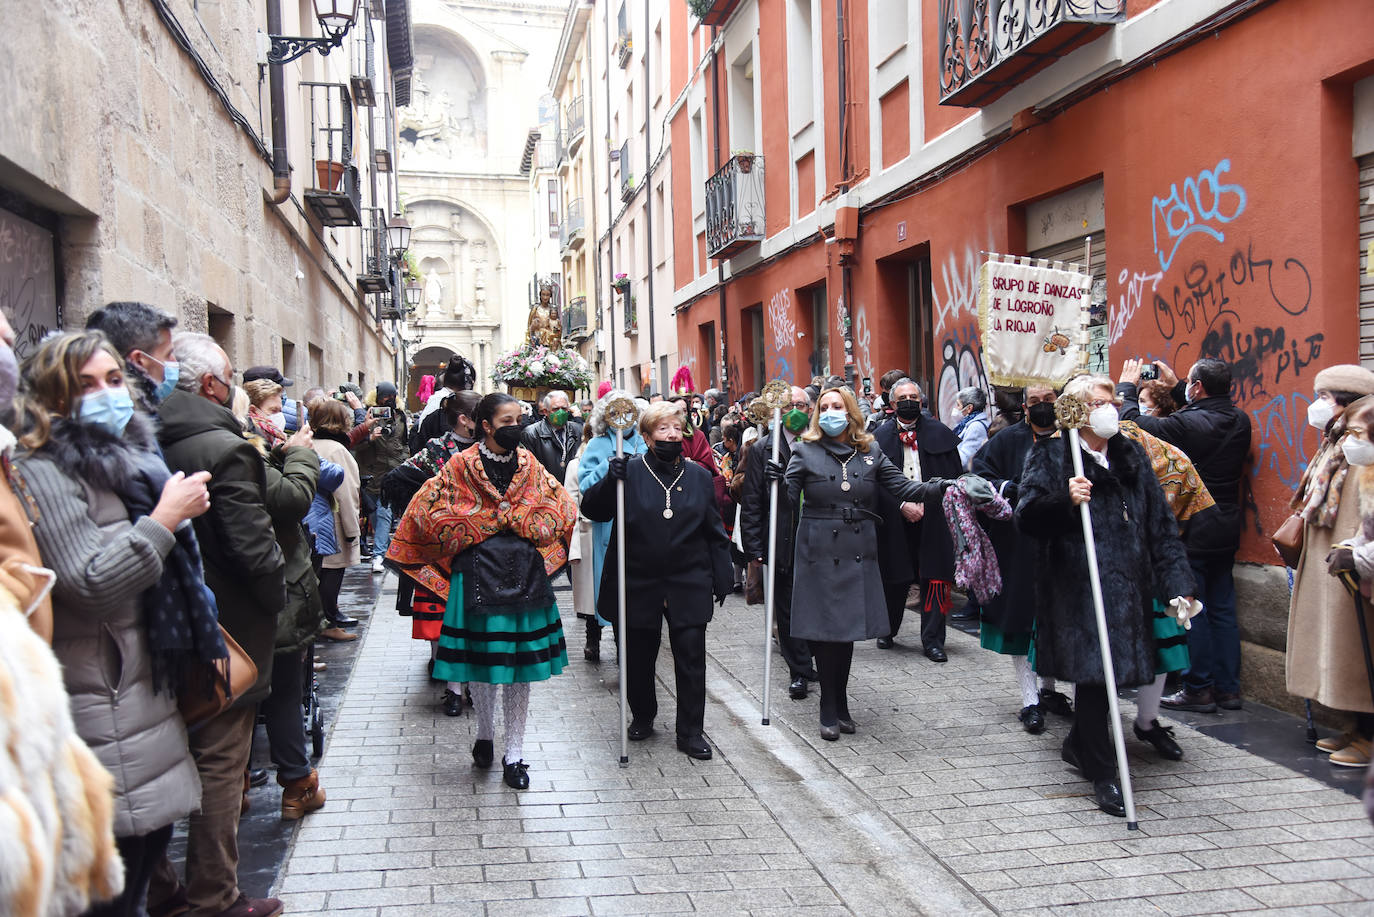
point(1351, 581)
point(775, 394)
point(621, 415)
point(1072, 414)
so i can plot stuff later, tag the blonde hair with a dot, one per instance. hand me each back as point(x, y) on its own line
point(238, 406)
point(658, 412)
point(259, 390)
point(854, 436)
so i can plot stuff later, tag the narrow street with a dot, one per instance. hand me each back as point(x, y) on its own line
point(940, 805)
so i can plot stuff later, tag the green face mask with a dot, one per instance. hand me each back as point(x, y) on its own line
point(558, 416)
point(796, 420)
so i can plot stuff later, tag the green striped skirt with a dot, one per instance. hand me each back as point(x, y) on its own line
point(1171, 642)
point(990, 637)
point(500, 648)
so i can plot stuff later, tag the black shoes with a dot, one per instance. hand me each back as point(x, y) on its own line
point(797, 689)
point(1107, 795)
point(516, 775)
point(936, 654)
point(257, 777)
point(639, 730)
point(592, 652)
point(1033, 718)
point(453, 703)
point(1162, 738)
point(830, 733)
point(344, 621)
point(694, 747)
point(848, 726)
point(884, 643)
point(1228, 701)
point(1056, 703)
point(483, 753)
point(1183, 699)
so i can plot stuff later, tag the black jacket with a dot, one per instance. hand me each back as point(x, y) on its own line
point(910, 551)
point(755, 502)
point(552, 446)
point(244, 566)
point(683, 561)
point(1000, 462)
point(1216, 435)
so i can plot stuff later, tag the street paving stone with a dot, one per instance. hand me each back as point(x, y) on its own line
point(941, 804)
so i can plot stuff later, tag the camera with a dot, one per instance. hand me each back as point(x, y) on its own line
point(1148, 372)
point(387, 415)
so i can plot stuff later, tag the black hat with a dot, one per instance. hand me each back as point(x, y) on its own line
point(254, 373)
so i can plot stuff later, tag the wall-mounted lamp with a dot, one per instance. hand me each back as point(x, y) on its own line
point(398, 236)
point(335, 17)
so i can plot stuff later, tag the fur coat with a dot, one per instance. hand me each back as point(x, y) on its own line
point(1140, 558)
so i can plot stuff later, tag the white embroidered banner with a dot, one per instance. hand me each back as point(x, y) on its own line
point(1034, 320)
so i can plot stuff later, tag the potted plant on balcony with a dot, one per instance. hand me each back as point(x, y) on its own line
point(621, 284)
point(329, 173)
point(744, 159)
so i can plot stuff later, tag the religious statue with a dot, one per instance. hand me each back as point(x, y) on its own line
point(543, 327)
point(434, 292)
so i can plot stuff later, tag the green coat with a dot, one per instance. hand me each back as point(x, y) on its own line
point(292, 477)
point(244, 567)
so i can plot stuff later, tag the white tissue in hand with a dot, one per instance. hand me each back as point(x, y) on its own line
point(1185, 611)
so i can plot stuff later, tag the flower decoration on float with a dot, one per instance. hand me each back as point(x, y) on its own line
point(537, 366)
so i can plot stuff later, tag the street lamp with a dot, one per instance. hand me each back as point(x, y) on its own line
point(335, 17)
point(413, 295)
point(398, 236)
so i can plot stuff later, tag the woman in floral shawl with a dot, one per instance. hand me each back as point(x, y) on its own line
point(486, 535)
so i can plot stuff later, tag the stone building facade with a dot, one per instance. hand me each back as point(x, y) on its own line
point(136, 163)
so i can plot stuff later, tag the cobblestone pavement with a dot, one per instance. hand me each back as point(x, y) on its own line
point(940, 804)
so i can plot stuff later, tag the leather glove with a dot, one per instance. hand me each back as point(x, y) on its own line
point(977, 488)
point(1340, 559)
point(942, 484)
point(720, 599)
point(773, 471)
point(616, 466)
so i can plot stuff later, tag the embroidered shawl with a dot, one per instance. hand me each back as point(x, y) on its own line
point(460, 507)
point(1183, 488)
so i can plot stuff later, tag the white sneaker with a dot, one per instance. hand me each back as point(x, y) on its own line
point(376, 565)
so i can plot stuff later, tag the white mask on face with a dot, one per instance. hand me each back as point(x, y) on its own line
point(277, 420)
point(1358, 451)
point(1104, 421)
point(1319, 413)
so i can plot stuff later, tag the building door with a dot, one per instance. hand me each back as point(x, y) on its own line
point(756, 347)
point(706, 334)
point(820, 330)
point(28, 281)
point(1071, 252)
point(920, 325)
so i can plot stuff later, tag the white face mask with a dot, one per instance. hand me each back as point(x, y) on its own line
point(1319, 413)
point(1358, 451)
point(1104, 421)
point(277, 420)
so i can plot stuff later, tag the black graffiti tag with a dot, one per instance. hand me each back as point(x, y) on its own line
point(1207, 288)
point(1261, 356)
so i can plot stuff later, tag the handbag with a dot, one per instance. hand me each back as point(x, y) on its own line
point(753, 584)
point(1288, 540)
point(197, 707)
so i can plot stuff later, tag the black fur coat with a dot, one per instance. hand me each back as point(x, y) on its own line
point(1139, 556)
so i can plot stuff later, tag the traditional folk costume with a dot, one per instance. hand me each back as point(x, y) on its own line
point(484, 535)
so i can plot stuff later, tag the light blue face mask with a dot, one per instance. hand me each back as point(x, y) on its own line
point(171, 372)
point(833, 422)
point(110, 409)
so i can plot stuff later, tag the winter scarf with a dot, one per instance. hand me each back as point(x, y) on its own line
point(1183, 488)
point(1318, 497)
point(975, 562)
point(179, 613)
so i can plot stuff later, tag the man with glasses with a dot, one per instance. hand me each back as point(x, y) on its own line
point(754, 509)
point(914, 543)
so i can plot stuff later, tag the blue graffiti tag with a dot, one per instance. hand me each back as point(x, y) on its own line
point(1282, 423)
point(1187, 213)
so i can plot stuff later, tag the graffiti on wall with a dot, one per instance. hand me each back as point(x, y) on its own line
point(781, 333)
point(1283, 438)
point(956, 325)
point(863, 342)
point(961, 356)
point(1203, 206)
point(958, 295)
point(1130, 301)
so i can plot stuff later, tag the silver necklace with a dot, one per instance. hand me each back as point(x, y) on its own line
point(667, 489)
point(844, 468)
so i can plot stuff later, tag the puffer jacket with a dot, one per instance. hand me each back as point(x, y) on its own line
point(319, 520)
point(104, 564)
point(293, 475)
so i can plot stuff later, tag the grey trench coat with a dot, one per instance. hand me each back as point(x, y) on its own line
point(837, 591)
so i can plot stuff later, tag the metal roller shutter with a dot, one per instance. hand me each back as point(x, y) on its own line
point(1366, 210)
point(1071, 252)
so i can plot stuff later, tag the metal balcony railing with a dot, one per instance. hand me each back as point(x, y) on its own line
point(735, 206)
point(334, 195)
point(989, 46)
point(572, 231)
point(627, 178)
point(624, 44)
point(630, 303)
point(575, 318)
point(363, 61)
point(576, 120)
point(375, 261)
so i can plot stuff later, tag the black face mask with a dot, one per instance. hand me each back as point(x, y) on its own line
point(1041, 415)
point(668, 451)
point(908, 410)
point(507, 437)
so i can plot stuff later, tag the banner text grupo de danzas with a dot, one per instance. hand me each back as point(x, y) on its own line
point(1033, 320)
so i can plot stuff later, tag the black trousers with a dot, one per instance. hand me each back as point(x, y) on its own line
point(795, 652)
point(689, 666)
point(331, 582)
point(1091, 736)
point(139, 854)
point(832, 665)
point(932, 622)
point(593, 631)
point(285, 717)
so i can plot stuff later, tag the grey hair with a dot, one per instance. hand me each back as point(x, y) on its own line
point(1081, 385)
point(598, 419)
point(973, 396)
point(131, 326)
point(198, 354)
point(905, 380)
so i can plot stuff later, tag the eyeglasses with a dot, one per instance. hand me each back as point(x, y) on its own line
point(801, 405)
point(1099, 403)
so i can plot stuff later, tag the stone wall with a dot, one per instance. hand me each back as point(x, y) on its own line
point(158, 193)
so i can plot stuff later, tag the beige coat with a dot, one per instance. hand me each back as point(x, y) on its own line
point(347, 529)
point(1325, 661)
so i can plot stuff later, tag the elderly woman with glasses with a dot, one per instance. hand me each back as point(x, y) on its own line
point(1140, 558)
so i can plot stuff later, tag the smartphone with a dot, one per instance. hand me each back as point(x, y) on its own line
point(868, 385)
point(384, 413)
point(1149, 372)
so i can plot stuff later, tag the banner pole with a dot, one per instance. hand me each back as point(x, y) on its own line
point(769, 583)
point(620, 596)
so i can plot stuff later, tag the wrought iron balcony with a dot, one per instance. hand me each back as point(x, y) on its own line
point(716, 12)
point(576, 124)
point(627, 178)
point(734, 206)
point(334, 195)
point(376, 263)
point(624, 44)
point(364, 67)
point(575, 318)
point(987, 47)
point(630, 303)
point(572, 231)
